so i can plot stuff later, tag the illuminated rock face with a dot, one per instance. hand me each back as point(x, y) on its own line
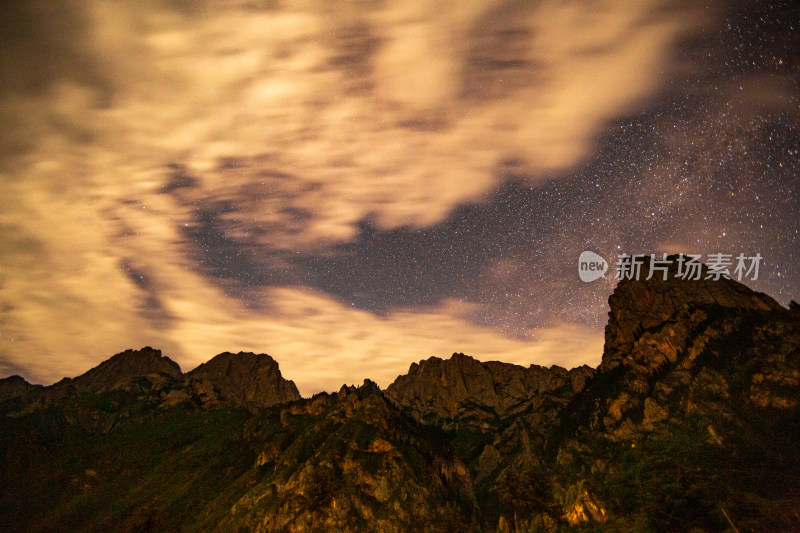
point(462, 390)
point(652, 317)
point(241, 380)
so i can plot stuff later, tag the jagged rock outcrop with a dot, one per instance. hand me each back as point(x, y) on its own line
point(463, 389)
point(240, 380)
point(699, 387)
point(351, 461)
point(498, 416)
point(656, 315)
point(683, 335)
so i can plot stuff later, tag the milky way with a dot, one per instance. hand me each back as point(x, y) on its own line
point(363, 186)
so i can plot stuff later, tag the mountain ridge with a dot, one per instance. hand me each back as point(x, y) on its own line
point(690, 421)
point(245, 379)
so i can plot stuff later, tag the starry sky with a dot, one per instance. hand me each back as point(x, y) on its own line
point(354, 186)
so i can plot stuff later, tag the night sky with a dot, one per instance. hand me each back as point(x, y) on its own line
point(355, 186)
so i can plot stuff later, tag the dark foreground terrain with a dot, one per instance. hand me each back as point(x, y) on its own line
point(691, 422)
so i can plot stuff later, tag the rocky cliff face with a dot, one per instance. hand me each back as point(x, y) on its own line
point(463, 390)
point(352, 461)
point(693, 410)
point(658, 315)
point(242, 380)
point(674, 339)
point(690, 422)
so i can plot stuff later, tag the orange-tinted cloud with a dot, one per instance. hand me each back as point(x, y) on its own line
point(399, 112)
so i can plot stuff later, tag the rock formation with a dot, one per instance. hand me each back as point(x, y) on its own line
point(242, 380)
point(463, 389)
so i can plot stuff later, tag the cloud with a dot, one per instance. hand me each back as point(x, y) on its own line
point(322, 344)
point(450, 92)
point(70, 303)
point(293, 124)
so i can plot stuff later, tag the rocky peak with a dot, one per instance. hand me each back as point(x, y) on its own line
point(14, 386)
point(464, 388)
point(662, 312)
point(675, 346)
point(121, 368)
point(246, 380)
point(243, 380)
point(368, 388)
point(134, 371)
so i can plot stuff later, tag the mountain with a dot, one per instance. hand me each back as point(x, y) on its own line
point(693, 416)
point(462, 390)
point(352, 461)
point(690, 423)
point(15, 386)
point(239, 380)
point(116, 372)
point(248, 380)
